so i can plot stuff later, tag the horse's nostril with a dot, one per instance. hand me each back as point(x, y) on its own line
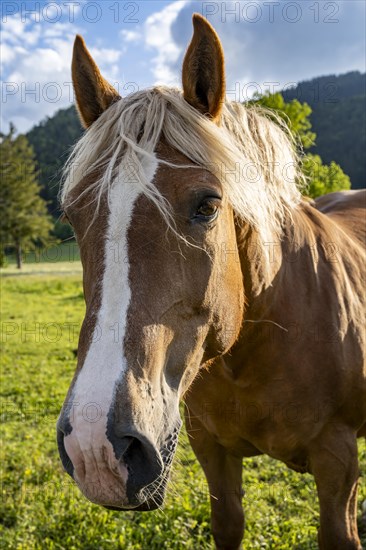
point(142, 460)
point(121, 446)
point(133, 453)
point(65, 459)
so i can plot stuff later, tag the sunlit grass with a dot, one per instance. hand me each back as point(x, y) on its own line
point(54, 259)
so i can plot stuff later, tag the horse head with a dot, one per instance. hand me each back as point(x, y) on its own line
point(161, 271)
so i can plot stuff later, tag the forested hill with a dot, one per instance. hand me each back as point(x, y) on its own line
point(338, 119)
point(52, 140)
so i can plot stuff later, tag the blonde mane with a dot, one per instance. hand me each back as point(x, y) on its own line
point(252, 156)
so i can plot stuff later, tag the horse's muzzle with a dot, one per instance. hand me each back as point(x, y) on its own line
point(128, 473)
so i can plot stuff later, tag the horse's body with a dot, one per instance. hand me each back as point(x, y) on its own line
point(293, 385)
point(229, 290)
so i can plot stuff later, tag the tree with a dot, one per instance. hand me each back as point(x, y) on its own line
point(338, 118)
point(52, 140)
point(294, 113)
point(23, 213)
point(321, 178)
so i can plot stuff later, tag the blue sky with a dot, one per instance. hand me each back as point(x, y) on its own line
point(267, 43)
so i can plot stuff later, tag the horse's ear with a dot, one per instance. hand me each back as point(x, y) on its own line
point(203, 73)
point(93, 93)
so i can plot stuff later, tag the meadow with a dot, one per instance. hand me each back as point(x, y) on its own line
point(41, 508)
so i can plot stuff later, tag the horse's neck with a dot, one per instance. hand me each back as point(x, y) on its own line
point(260, 262)
point(311, 285)
point(265, 266)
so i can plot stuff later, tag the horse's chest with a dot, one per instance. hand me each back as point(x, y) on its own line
point(253, 419)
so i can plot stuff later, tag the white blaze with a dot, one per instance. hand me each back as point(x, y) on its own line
point(105, 362)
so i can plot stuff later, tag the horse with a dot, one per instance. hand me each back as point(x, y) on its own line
point(209, 278)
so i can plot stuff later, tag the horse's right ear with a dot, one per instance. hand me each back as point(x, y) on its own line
point(93, 93)
point(203, 72)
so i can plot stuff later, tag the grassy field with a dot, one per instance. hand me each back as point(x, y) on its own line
point(54, 253)
point(42, 509)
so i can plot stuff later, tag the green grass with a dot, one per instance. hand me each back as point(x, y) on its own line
point(53, 253)
point(42, 509)
point(55, 259)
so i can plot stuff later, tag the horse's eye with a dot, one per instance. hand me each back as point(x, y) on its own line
point(208, 209)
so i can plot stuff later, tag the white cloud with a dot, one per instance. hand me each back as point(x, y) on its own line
point(267, 45)
point(134, 36)
point(158, 35)
point(36, 59)
point(9, 53)
point(105, 55)
point(15, 31)
point(36, 55)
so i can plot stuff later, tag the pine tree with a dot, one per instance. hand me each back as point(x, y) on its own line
point(24, 221)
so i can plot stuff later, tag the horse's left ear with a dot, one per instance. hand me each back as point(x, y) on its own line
point(93, 93)
point(203, 73)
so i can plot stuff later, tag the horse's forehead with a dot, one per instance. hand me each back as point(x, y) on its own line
point(169, 153)
point(174, 182)
point(93, 217)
